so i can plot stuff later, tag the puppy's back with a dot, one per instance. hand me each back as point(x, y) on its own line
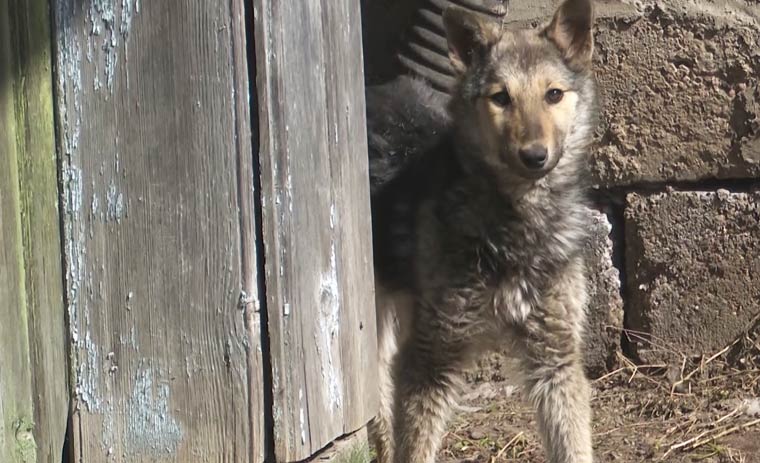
point(405, 118)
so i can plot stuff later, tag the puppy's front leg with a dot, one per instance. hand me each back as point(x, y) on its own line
point(553, 370)
point(427, 380)
point(561, 395)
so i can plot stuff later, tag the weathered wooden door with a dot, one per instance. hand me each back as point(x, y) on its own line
point(216, 229)
point(185, 251)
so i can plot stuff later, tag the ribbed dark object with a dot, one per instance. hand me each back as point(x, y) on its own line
point(424, 51)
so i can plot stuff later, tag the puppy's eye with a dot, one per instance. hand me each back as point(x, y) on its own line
point(501, 98)
point(554, 96)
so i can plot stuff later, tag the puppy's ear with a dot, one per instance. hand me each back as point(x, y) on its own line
point(571, 31)
point(469, 35)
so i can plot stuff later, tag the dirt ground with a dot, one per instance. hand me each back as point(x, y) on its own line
point(704, 410)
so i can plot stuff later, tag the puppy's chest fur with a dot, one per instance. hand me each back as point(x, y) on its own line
point(446, 235)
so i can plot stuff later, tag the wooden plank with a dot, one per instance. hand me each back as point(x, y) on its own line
point(150, 145)
point(16, 407)
point(33, 398)
point(348, 143)
point(316, 220)
point(40, 225)
point(251, 247)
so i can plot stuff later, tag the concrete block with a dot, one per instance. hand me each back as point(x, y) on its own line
point(693, 270)
point(680, 92)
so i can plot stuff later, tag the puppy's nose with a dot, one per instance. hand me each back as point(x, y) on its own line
point(534, 156)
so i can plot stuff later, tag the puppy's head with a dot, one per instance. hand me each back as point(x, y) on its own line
point(524, 96)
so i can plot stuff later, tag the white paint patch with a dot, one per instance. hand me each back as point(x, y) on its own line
point(114, 204)
point(94, 208)
point(302, 417)
point(88, 376)
point(75, 271)
point(150, 427)
point(328, 329)
point(289, 190)
point(109, 23)
point(128, 10)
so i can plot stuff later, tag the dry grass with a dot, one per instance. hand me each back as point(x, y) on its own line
point(694, 396)
point(695, 409)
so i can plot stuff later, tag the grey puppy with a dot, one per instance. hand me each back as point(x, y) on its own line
point(478, 223)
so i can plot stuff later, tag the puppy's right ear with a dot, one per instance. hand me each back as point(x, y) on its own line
point(469, 35)
point(571, 31)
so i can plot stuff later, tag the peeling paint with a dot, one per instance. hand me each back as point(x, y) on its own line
point(302, 417)
point(114, 204)
point(109, 25)
point(150, 427)
point(94, 209)
point(87, 385)
point(86, 369)
point(328, 331)
point(127, 13)
point(75, 249)
point(289, 190)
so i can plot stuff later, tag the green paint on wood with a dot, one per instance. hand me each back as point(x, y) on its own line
point(15, 374)
point(32, 360)
point(40, 227)
point(25, 447)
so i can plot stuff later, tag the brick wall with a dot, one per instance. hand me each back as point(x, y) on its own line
point(677, 168)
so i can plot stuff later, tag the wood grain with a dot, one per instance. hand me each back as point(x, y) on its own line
point(31, 293)
point(152, 139)
point(16, 407)
point(251, 247)
point(315, 203)
point(349, 169)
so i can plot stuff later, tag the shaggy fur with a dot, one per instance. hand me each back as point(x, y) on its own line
point(475, 249)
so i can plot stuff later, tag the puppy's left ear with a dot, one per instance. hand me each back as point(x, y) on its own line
point(469, 35)
point(571, 31)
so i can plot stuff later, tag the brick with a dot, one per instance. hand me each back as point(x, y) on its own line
point(693, 270)
point(680, 93)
